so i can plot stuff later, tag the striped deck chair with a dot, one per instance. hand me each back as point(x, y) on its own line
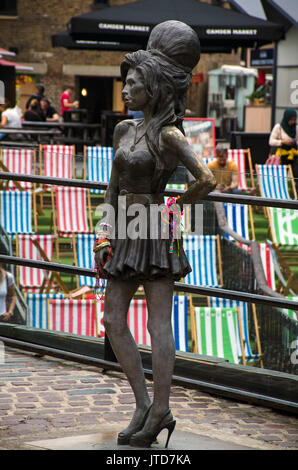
point(38, 247)
point(84, 257)
point(239, 156)
point(203, 253)
point(239, 218)
point(20, 161)
point(291, 313)
point(179, 322)
point(57, 160)
point(16, 211)
point(267, 262)
point(244, 349)
point(25, 248)
point(71, 206)
point(72, 316)
point(274, 181)
point(38, 309)
point(98, 165)
point(214, 332)
point(137, 318)
point(283, 225)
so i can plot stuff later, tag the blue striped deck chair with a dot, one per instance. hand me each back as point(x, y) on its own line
point(84, 257)
point(214, 332)
point(98, 165)
point(16, 211)
point(179, 322)
point(273, 181)
point(243, 341)
point(239, 218)
point(202, 254)
point(38, 309)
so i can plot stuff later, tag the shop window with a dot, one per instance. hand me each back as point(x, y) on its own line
point(8, 8)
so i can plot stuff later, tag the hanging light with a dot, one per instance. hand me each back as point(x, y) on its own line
point(84, 92)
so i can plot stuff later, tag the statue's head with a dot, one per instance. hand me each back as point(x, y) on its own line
point(177, 41)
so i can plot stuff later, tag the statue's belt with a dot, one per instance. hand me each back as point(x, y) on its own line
point(127, 199)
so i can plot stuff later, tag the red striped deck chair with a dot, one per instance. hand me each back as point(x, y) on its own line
point(57, 160)
point(72, 316)
point(267, 262)
point(71, 206)
point(137, 318)
point(239, 156)
point(20, 161)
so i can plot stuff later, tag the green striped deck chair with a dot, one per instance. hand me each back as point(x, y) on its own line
point(291, 313)
point(214, 332)
point(284, 226)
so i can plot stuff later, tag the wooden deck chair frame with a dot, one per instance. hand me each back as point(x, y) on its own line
point(194, 335)
point(286, 272)
point(53, 275)
point(247, 153)
point(54, 222)
point(256, 326)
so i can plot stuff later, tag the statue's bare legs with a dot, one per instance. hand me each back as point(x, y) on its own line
point(159, 296)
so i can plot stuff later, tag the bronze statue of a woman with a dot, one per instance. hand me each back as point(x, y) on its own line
point(146, 153)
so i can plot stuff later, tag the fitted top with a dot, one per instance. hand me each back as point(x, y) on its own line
point(135, 168)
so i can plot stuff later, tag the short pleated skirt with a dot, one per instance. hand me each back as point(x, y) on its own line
point(146, 259)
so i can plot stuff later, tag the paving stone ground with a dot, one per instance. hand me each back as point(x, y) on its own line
point(47, 398)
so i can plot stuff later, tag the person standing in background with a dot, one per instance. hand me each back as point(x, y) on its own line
point(284, 136)
point(66, 104)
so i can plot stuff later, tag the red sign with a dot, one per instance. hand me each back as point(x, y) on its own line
point(197, 78)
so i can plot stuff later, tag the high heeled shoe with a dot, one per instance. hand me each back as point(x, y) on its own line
point(124, 436)
point(146, 438)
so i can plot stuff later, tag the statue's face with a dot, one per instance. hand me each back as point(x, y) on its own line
point(134, 93)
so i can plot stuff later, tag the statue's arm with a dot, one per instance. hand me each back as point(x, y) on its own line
point(172, 140)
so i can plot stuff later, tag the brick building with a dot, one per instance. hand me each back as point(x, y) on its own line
point(26, 27)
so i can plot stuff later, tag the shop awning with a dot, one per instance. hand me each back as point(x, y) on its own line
point(5, 52)
point(219, 29)
point(18, 67)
